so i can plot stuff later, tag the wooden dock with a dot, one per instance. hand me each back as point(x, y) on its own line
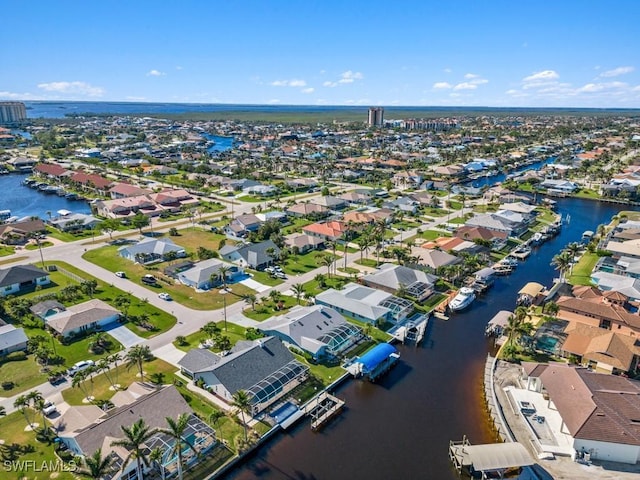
point(322, 409)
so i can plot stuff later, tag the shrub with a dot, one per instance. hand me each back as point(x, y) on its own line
point(15, 357)
point(8, 385)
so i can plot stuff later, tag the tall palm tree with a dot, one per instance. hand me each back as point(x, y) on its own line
point(250, 298)
point(562, 261)
point(115, 358)
point(177, 430)
point(78, 381)
point(242, 402)
point(223, 271)
point(134, 441)
point(22, 404)
point(104, 367)
point(137, 355)
point(38, 405)
point(326, 261)
point(211, 329)
point(96, 466)
point(298, 291)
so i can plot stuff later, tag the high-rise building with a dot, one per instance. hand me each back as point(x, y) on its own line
point(12, 112)
point(376, 117)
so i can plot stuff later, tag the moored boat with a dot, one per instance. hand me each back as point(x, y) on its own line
point(463, 299)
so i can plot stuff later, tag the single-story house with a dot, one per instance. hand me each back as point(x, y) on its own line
point(12, 339)
point(305, 243)
point(74, 222)
point(243, 225)
point(318, 330)
point(19, 232)
point(20, 277)
point(150, 250)
point(391, 278)
point(206, 274)
point(264, 368)
point(366, 304)
point(253, 255)
point(434, 258)
point(46, 308)
point(309, 210)
point(564, 186)
point(330, 202)
point(82, 317)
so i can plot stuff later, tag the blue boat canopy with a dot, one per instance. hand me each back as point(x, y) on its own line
point(376, 356)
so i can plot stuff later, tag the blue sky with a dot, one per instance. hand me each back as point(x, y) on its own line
point(565, 53)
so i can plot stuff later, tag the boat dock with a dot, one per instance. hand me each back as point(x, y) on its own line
point(322, 409)
point(412, 330)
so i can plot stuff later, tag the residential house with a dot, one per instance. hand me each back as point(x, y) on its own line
point(19, 278)
point(242, 226)
point(19, 233)
point(330, 231)
point(308, 210)
point(318, 330)
point(91, 182)
point(559, 186)
point(304, 243)
point(511, 223)
point(12, 339)
point(391, 278)
point(403, 204)
point(330, 202)
point(627, 248)
point(263, 368)
point(252, 255)
point(85, 429)
point(150, 250)
point(125, 190)
point(434, 259)
point(481, 233)
point(46, 308)
point(205, 275)
point(83, 317)
point(597, 415)
point(407, 179)
point(127, 207)
point(74, 222)
point(366, 304)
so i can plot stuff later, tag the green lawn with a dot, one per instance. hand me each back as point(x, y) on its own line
point(34, 246)
point(374, 332)
point(268, 309)
point(191, 238)
point(581, 274)
point(233, 331)
point(125, 376)
point(337, 282)
point(25, 374)
point(301, 263)
point(264, 278)
point(296, 225)
point(70, 237)
point(370, 262)
point(12, 431)
point(5, 250)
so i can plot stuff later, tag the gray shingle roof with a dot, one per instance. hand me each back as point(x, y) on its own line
point(11, 336)
point(20, 273)
point(391, 276)
point(199, 360)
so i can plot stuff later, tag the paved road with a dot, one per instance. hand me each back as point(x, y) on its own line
point(188, 320)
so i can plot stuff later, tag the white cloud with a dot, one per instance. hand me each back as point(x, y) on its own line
point(441, 85)
point(447, 70)
point(544, 75)
point(178, 67)
point(617, 71)
point(73, 88)
point(289, 83)
point(330, 84)
point(465, 86)
point(15, 96)
point(469, 76)
point(308, 90)
point(155, 73)
point(350, 77)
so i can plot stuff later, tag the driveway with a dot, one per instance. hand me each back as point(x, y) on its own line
point(122, 334)
point(257, 286)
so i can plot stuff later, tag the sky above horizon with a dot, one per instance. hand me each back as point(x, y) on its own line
point(568, 53)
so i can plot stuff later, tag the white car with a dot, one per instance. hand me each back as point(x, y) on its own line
point(165, 296)
point(49, 408)
point(80, 366)
point(121, 274)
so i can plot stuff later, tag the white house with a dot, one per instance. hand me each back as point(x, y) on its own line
point(21, 277)
point(82, 317)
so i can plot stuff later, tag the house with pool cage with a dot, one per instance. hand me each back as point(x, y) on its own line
point(264, 368)
point(318, 330)
point(85, 429)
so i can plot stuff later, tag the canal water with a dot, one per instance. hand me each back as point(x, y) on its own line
point(400, 427)
point(27, 202)
point(501, 176)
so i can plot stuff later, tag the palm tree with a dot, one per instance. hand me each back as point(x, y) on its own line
point(96, 466)
point(298, 291)
point(215, 416)
point(22, 404)
point(134, 441)
point(39, 406)
point(562, 261)
point(78, 381)
point(177, 430)
point(250, 298)
point(320, 280)
point(122, 302)
point(326, 261)
point(517, 326)
point(137, 355)
point(223, 271)
point(103, 366)
point(115, 358)
point(242, 402)
point(211, 329)
point(364, 242)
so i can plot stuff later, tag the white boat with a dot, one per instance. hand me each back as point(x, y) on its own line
point(463, 299)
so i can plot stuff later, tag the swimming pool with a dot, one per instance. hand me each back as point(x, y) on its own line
point(547, 343)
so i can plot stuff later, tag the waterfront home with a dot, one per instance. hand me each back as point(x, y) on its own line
point(391, 278)
point(150, 250)
point(19, 233)
point(318, 330)
point(628, 286)
point(434, 258)
point(85, 429)
point(603, 350)
point(173, 199)
point(87, 316)
point(519, 207)
point(51, 171)
point(504, 221)
point(252, 255)
point(467, 232)
point(241, 226)
point(627, 248)
point(328, 231)
point(125, 190)
point(74, 222)
point(91, 182)
point(17, 279)
point(127, 207)
point(366, 304)
point(597, 415)
point(12, 339)
point(559, 186)
point(205, 275)
point(264, 368)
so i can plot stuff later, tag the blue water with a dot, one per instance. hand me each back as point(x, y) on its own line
point(500, 177)
point(222, 143)
point(27, 202)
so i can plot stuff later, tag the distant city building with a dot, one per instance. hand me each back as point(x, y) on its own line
point(376, 117)
point(12, 112)
point(432, 125)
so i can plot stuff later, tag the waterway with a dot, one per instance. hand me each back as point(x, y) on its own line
point(27, 202)
point(491, 180)
point(401, 426)
point(221, 144)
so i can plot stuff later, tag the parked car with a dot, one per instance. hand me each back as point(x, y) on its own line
point(149, 279)
point(281, 275)
point(49, 408)
point(121, 274)
point(165, 296)
point(80, 366)
point(270, 269)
